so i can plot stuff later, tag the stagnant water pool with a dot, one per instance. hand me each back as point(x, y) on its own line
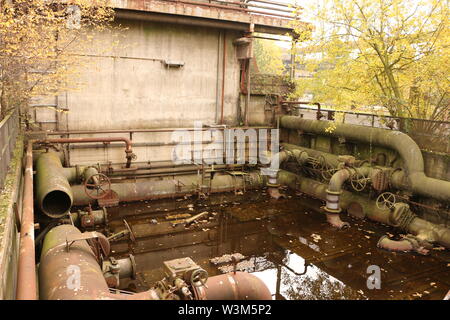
point(286, 242)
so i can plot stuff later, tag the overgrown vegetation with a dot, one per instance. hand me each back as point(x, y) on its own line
point(40, 42)
point(393, 54)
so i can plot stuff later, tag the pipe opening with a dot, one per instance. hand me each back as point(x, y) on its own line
point(56, 203)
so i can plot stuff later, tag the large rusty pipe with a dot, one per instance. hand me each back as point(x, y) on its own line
point(73, 273)
point(128, 145)
point(416, 180)
point(53, 192)
point(26, 271)
point(234, 286)
point(179, 187)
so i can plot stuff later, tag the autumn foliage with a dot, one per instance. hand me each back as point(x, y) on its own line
point(38, 44)
point(392, 54)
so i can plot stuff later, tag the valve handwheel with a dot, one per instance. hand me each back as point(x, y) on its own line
point(358, 181)
point(97, 186)
point(199, 277)
point(386, 200)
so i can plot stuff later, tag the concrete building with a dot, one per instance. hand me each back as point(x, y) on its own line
point(177, 62)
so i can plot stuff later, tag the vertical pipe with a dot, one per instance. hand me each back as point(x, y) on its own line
point(224, 63)
point(26, 276)
point(247, 102)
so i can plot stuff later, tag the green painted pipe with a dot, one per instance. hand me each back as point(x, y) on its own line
point(414, 177)
point(145, 189)
point(361, 207)
point(53, 193)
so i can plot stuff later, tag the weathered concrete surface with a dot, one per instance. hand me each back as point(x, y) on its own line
point(206, 10)
point(9, 237)
point(134, 89)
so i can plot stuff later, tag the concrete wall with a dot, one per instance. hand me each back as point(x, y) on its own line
point(132, 88)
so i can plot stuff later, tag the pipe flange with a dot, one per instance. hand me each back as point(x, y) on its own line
point(333, 192)
point(105, 216)
point(331, 211)
point(133, 267)
point(273, 185)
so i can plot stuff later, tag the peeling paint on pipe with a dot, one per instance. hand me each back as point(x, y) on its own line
point(161, 189)
point(128, 147)
point(422, 229)
point(53, 192)
point(416, 180)
point(234, 286)
point(26, 271)
point(61, 271)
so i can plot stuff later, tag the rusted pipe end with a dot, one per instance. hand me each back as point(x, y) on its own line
point(234, 286)
point(407, 244)
point(335, 220)
point(274, 193)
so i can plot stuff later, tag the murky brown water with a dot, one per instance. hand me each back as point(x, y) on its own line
point(286, 243)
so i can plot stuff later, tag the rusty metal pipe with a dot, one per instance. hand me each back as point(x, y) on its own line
point(128, 148)
point(182, 185)
point(415, 178)
point(53, 193)
point(224, 65)
point(234, 286)
point(394, 245)
point(26, 274)
point(73, 273)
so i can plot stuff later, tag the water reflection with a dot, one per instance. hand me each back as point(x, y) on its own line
point(290, 247)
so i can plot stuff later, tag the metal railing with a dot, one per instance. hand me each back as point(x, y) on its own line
point(432, 135)
point(9, 129)
point(256, 7)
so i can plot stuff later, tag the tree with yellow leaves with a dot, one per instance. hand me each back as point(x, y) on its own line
point(269, 57)
point(39, 41)
point(388, 53)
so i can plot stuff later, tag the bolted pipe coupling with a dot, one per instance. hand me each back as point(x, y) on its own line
point(332, 201)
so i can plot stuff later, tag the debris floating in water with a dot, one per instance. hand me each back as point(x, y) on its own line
point(227, 258)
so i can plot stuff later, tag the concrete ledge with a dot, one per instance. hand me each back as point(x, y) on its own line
point(10, 197)
point(203, 11)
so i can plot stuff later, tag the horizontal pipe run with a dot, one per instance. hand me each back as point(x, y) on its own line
point(362, 207)
point(74, 273)
point(128, 146)
point(332, 160)
point(132, 131)
point(416, 180)
point(179, 187)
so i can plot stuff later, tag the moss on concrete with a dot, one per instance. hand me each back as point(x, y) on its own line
point(6, 194)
